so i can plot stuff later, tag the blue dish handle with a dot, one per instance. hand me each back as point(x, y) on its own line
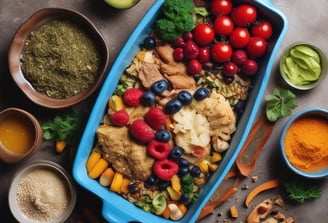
point(110, 212)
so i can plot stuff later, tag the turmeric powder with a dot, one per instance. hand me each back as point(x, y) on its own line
point(306, 143)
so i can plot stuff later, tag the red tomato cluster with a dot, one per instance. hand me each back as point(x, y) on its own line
point(235, 38)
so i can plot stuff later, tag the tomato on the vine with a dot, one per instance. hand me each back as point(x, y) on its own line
point(239, 37)
point(244, 14)
point(256, 46)
point(221, 52)
point(221, 7)
point(262, 29)
point(203, 34)
point(223, 25)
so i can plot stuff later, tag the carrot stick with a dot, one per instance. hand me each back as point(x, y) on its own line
point(60, 146)
point(262, 187)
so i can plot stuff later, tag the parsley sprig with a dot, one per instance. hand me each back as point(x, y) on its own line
point(279, 104)
point(299, 191)
point(63, 128)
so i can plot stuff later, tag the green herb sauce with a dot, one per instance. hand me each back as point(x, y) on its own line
point(60, 59)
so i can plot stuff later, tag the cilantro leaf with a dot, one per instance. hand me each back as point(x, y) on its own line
point(62, 128)
point(279, 104)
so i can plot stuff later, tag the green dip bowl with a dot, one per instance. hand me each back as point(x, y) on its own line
point(303, 66)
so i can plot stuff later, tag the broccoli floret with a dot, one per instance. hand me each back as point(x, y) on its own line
point(177, 19)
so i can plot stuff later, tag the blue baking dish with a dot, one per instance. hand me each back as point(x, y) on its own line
point(116, 208)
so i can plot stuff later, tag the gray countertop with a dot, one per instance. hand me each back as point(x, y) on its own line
point(306, 22)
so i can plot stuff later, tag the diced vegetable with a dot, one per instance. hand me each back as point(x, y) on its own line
point(98, 168)
point(92, 160)
point(117, 182)
point(106, 177)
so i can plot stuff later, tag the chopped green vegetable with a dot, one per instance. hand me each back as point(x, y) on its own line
point(200, 15)
point(279, 104)
point(62, 128)
point(300, 191)
point(187, 182)
point(177, 18)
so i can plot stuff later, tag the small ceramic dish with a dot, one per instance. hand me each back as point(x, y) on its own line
point(303, 161)
point(17, 49)
point(302, 71)
point(26, 180)
point(21, 135)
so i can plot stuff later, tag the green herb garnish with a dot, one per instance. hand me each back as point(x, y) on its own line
point(63, 128)
point(279, 104)
point(299, 191)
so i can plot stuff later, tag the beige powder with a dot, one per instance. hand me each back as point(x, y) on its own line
point(42, 195)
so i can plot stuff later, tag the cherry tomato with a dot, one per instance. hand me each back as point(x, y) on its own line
point(256, 46)
point(221, 52)
point(203, 34)
point(244, 14)
point(204, 54)
point(239, 37)
point(230, 68)
point(262, 29)
point(194, 67)
point(223, 25)
point(221, 7)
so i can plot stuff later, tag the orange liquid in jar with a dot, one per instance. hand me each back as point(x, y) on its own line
point(17, 134)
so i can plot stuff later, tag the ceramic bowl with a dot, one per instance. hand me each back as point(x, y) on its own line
point(313, 112)
point(17, 48)
point(115, 207)
point(323, 64)
point(48, 167)
point(21, 135)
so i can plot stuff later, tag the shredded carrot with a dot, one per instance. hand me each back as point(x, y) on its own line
point(60, 146)
point(262, 187)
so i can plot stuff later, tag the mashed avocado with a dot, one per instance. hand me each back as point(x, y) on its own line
point(302, 65)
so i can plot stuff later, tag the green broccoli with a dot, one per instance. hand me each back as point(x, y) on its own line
point(177, 18)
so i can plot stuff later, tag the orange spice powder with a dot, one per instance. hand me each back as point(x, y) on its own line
point(306, 143)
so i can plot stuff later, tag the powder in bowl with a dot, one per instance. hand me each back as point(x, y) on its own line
point(42, 192)
point(305, 143)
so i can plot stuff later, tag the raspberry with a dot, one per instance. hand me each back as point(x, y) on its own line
point(165, 169)
point(132, 97)
point(155, 118)
point(120, 118)
point(141, 131)
point(158, 150)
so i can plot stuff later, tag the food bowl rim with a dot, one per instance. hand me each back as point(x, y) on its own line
point(28, 168)
point(324, 65)
point(303, 113)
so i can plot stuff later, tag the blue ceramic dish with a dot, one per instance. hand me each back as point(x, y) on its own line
point(116, 208)
point(306, 112)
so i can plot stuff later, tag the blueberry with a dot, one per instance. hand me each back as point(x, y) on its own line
point(240, 107)
point(175, 153)
point(201, 93)
point(183, 170)
point(228, 79)
point(184, 198)
point(173, 106)
point(185, 97)
point(195, 171)
point(132, 187)
point(150, 181)
point(149, 43)
point(163, 135)
point(159, 87)
point(148, 98)
point(183, 162)
point(162, 184)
